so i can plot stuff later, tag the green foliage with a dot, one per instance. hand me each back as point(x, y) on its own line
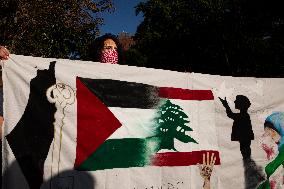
point(172, 123)
point(241, 38)
point(133, 57)
point(50, 28)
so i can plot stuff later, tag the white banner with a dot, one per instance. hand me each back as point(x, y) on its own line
point(77, 124)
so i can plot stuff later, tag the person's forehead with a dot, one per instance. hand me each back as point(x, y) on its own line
point(268, 129)
point(109, 42)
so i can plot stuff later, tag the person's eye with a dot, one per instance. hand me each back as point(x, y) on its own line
point(110, 48)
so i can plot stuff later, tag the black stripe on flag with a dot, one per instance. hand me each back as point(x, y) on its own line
point(114, 93)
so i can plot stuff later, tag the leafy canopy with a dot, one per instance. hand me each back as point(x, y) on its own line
point(241, 37)
point(50, 28)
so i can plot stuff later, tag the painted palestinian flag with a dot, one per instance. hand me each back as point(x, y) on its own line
point(126, 124)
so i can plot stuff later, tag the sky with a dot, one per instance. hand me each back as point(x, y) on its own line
point(123, 19)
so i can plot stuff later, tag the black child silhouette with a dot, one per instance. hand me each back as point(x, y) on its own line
point(242, 128)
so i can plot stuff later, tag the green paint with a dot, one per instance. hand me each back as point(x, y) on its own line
point(272, 167)
point(122, 153)
point(172, 123)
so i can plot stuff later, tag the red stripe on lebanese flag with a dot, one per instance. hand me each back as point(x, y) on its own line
point(183, 158)
point(185, 94)
point(95, 123)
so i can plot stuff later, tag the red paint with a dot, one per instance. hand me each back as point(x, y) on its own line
point(269, 151)
point(273, 184)
point(182, 158)
point(95, 123)
point(185, 94)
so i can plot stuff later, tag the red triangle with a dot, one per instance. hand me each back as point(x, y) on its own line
point(95, 123)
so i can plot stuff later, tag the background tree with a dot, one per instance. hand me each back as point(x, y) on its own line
point(172, 123)
point(239, 37)
point(60, 29)
point(133, 57)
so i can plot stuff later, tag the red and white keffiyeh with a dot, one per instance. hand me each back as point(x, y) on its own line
point(110, 56)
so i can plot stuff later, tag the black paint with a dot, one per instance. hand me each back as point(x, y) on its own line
point(242, 128)
point(114, 93)
point(31, 138)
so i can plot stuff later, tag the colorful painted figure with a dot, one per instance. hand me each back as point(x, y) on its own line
point(274, 128)
point(271, 150)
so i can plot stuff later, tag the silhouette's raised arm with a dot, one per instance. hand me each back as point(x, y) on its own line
point(229, 112)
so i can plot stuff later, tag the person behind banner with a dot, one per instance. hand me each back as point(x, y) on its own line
point(4, 55)
point(242, 128)
point(106, 49)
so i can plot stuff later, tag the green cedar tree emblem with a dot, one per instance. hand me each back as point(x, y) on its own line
point(172, 123)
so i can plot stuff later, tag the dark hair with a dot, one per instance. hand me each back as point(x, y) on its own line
point(98, 44)
point(271, 126)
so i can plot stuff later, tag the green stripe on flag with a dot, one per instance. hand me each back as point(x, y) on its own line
point(122, 153)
